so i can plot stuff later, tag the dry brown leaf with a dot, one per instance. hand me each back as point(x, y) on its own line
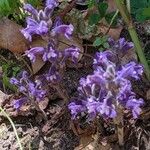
point(11, 38)
point(44, 103)
point(39, 63)
point(113, 32)
point(3, 97)
point(85, 142)
point(129, 55)
point(111, 6)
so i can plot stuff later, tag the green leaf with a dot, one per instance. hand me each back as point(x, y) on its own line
point(140, 17)
point(109, 17)
point(7, 84)
point(101, 49)
point(139, 5)
point(97, 42)
point(91, 3)
point(102, 8)
point(106, 45)
point(104, 38)
point(94, 19)
point(34, 3)
point(8, 7)
point(146, 12)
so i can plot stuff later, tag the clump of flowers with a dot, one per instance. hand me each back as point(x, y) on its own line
point(40, 23)
point(32, 91)
point(108, 88)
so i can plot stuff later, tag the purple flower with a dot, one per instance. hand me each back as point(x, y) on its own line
point(33, 52)
point(53, 75)
point(130, 70)
point(124, 45)
point(76, 108)
point(85, 87)
point(57, 22)
point(30, 90)
point(120, 45)
point(14, 81)
point(73, 53)
point(35, 91)
point(66, 30)
point(52, 3)
point(50, 54)
point(29, 8)
point(109, 87)
point(19, 102)
point(106, 107)
point(102, 59)
point(34, 27)
point(92, 106)
point(134, 105)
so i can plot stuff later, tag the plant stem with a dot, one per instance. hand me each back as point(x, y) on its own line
point(118, 121)
point(128, 5)
point(37, 107)
point(127, 18)
point(13, 126)
point(112, 20)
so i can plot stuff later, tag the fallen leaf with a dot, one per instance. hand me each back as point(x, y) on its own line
point(39, 63)
point(129, 55)
point(113, 32)
point(11, 38)
point(3, 97)
point(44, 103)
point(85, 142)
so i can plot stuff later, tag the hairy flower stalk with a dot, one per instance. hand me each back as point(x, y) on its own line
point(108, 91)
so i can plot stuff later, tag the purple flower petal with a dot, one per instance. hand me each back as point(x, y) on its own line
point(30, 9)
point(134, 105)
point(50, 54)
point(53, 75)
point(66, 30)
point(52, 3)
point(14, 81)
point(33, 52)
point(72, 52)
point(130, 70)
point(19, 102)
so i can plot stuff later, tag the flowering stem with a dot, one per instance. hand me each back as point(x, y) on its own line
point(118, 121)
point(39, 110)
point(127, 18)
